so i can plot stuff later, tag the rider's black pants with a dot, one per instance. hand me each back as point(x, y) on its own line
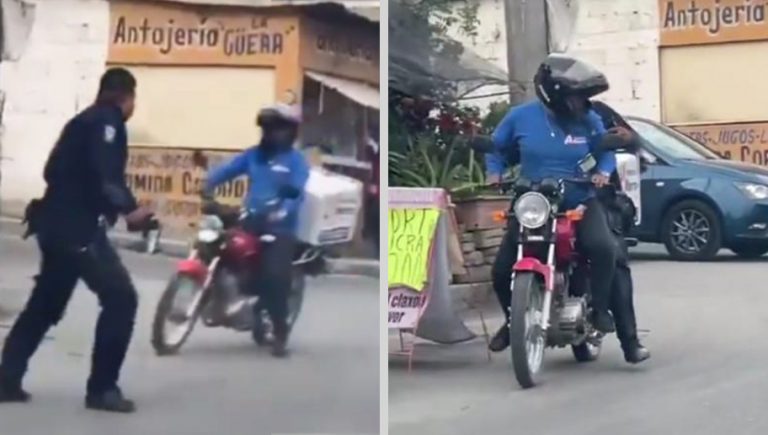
point(595, 240)
point(62, 266)
point(273, 279)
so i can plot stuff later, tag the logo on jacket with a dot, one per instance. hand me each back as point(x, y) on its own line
point(280, 168)
point(575, 140)
point(109, 134)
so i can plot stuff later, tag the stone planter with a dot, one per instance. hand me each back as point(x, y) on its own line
point(480, 237)
point(477, 213)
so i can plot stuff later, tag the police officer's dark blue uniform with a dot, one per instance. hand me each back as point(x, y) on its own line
point(86, 190)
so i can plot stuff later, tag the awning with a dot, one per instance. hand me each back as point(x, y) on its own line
point(358, 92)
point(367, 9)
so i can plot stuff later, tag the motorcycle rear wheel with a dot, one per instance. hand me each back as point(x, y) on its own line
point(526, 336)
point(161, 342)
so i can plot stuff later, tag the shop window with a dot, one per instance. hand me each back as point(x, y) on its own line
point(332, 120)
point(199, 107)
point(706, 84)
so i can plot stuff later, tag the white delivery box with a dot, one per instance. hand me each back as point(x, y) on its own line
point(331, 208)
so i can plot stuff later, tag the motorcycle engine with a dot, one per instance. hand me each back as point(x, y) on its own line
point(572, 320)
point(229, 307)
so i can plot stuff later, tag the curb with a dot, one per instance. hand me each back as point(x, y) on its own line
point(178, 249)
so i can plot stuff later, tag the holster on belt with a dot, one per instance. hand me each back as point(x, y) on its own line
point(32, 215)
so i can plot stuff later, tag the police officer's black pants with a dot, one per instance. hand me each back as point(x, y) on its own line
point(622, 298)
point(100, 267)
point(594, 238)
point(274, 279)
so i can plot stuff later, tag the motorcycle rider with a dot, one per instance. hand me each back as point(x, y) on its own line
point(549, 136)
point(277, 174)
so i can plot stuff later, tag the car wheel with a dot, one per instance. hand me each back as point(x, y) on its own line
point(750, 250)
point(691, 231)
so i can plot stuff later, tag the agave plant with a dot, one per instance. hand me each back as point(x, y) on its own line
point(427, 160)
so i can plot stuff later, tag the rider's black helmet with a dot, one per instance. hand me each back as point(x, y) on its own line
point(560, 76)
point(279, 115)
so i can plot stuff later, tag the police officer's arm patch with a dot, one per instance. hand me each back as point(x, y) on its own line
point(109, 134)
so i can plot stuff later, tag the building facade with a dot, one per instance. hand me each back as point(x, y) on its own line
point(204, 71)
point(691, 64)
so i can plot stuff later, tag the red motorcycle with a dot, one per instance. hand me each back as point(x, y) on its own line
point(207, 285)
point(550, 305)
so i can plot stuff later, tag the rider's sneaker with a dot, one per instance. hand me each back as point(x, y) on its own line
point(500, 341)
point(603, 322)
point(110, 401)
point(280, 348)
point(12, 392)
point(635, 353)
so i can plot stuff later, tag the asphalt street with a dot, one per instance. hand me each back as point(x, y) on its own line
point(708, 373)
point(220, 383)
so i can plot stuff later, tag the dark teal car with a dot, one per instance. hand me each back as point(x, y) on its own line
point(694, 201)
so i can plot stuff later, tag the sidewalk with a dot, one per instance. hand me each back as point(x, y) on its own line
point(180, 249)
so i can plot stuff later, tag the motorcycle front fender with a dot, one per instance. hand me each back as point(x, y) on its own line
point(530, 264)
point(194, 268)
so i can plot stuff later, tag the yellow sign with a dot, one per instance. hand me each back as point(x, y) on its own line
point(169, 182)
point(410, 240)
point(693, 22)
point(746, 142)
point(146, 33)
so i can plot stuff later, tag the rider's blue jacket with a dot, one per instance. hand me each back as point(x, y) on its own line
point(266, 174)
point(547, 147)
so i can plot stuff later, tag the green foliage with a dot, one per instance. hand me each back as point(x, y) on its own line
point(429, 145)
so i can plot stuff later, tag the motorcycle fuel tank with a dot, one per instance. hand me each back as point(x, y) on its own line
point(241, 247)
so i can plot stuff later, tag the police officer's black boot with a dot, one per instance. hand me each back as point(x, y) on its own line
point(634, 352)
point(11, 391)
point(110, 401)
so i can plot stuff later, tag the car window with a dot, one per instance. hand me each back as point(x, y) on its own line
point(671, 143)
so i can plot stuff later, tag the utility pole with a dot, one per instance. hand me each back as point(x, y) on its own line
point(527, 45)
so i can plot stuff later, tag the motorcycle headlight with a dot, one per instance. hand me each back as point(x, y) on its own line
point(532, 210)
point(753, 191)
point(207, 236)
point(209, 229)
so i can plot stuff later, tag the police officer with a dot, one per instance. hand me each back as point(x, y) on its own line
point(86, 191)
point(621, 216)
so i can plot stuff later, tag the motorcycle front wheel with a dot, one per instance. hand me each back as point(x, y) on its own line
point(176, 314)
point(526, 335)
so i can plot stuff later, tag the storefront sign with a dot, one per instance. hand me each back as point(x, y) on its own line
point(693, 22)
point(168, 181)
point(346, 51)
point(742, 142)
point(181, 34)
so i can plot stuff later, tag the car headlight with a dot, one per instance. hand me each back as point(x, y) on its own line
point(753, 191)
point(532, 210)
